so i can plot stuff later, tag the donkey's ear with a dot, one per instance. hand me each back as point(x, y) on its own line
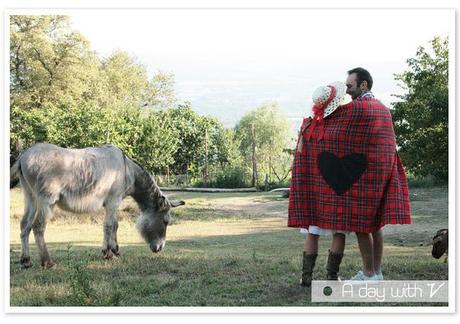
point(177, 203)
point(163, 203)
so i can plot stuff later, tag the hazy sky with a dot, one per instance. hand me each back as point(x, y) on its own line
point(228, 62)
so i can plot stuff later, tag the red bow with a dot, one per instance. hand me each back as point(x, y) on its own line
point(318, 119)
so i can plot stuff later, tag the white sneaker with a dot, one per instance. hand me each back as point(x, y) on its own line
point(360, 276)
point(379, 276)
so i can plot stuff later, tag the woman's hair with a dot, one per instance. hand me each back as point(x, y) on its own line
point(362, 75)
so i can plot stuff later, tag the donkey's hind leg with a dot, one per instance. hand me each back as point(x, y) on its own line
point(39, 226)
point(26, 227)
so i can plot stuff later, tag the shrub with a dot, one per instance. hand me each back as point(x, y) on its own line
point(232, 177)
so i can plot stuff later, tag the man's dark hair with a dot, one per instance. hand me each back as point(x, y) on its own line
point(362, 75)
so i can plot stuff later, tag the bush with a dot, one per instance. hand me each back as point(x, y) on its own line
point(27, 127)
point(232, 177)
point(77, 126)
point(283, 184)
point(424, 182)
point(163, 139)
point(229, 178)
point(156, 142)
point(150, 140)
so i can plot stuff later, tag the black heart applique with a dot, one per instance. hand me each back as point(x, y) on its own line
point(341, 173)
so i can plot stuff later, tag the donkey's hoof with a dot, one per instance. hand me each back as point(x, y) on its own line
point(115, 251)
point(108, 254)
point(25, 262)
point(48, 264)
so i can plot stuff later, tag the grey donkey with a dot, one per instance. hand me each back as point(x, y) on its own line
point(87, 180)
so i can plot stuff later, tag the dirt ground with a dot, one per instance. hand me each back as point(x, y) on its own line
point(429, 211)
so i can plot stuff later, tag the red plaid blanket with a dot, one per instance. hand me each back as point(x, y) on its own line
point(352, 179)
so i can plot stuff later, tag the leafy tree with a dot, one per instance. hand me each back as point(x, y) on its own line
point(160, 92)
point(125, 80)
point(49, 62)
point(52, 64)
point(157, 142)
point(421, 117)
point(233, 171)
point(191, 153)
point(230, 144)
point(187, 122)
point(272, 137)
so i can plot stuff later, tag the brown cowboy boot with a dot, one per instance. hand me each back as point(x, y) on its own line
point(307, 269)
point(333, 265)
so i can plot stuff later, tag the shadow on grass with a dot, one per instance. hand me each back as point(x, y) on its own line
point(260, 269)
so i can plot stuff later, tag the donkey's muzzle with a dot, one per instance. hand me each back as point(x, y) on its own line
point(157, 247)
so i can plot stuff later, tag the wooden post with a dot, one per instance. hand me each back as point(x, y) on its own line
point(206, 158)
point(254, 159)
point(186, 176)
point(270, 165)
point(167, 175)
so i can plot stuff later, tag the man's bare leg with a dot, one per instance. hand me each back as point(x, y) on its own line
point(366, 247)
point(377, 238)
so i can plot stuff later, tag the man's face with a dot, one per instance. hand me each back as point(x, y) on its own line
point(353, 89)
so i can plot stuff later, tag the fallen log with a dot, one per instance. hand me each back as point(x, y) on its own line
point(210, 190)
point(285, 191)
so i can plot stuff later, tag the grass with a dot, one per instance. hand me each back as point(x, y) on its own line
point(225, 249)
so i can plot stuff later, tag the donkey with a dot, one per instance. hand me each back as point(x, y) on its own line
point(87, 180)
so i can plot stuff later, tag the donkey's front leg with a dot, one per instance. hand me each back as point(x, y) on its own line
point(110, 245)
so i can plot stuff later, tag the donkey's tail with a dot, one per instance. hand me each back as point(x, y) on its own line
point(15, 171)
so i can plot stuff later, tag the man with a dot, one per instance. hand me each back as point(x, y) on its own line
point(359, 84)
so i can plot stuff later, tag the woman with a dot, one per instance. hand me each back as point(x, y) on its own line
point(326, 100)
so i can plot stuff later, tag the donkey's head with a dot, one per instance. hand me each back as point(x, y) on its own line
point(153, 222)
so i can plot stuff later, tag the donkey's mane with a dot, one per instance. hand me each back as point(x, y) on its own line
point(146, 191)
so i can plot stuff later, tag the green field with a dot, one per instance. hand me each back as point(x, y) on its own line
point(225, 249)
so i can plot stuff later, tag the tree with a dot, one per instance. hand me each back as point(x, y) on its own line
point(49, 62)
point(156, 142)
point(160, 92)
point(125, 80)
point(191, 127)
point(421, 117)
point(52, 64)
point(272, 137)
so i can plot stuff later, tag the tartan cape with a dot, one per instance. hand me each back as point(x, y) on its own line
point(353, 178)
